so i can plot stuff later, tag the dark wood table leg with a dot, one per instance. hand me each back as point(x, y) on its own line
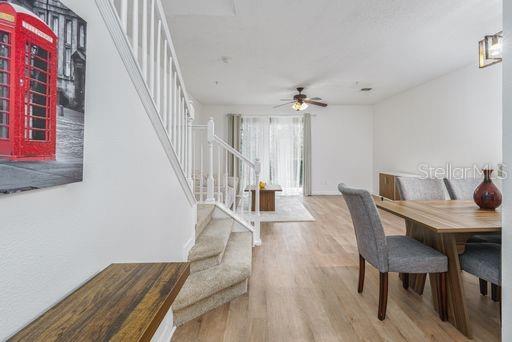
point(451, 245)
point(457, 310)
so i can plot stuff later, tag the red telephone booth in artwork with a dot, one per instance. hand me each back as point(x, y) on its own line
point(28, 85)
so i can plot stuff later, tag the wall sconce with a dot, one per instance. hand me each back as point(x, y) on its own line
point(491, 49)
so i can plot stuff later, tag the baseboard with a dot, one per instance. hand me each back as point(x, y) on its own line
point(326, 193)
point(188, 246)
point(166, 328)
point(173, 330)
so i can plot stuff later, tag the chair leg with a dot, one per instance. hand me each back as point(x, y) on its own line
point(383, 295)
point(483, 287)
point(442, 295)
point(495, 292)
point(361, 274)
point(405, 280)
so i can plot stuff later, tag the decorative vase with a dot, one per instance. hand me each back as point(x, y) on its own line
point(487, 195)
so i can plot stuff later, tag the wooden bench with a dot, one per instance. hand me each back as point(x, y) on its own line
point(124, 302)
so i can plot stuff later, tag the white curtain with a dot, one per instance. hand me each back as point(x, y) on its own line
point(286, 145)
point(307, 155)
point(255, 140)
point(278, 143)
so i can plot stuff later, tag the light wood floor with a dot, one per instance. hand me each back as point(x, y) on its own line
point(304, 288)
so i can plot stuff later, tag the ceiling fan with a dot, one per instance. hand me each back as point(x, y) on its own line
point(302, 101)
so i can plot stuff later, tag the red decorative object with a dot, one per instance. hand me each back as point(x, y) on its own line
point(28, 85)
point(487, 195)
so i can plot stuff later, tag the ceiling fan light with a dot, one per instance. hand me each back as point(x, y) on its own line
point(299, 106)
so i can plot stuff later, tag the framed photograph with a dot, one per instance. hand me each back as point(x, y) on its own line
point(42, 95)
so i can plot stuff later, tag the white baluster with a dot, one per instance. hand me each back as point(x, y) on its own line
point(191, 150)
point(194, 157)
point(185, 143)
point(242, 189)
point(218, 174)
point(183, 132)
point(210, 182)
point(169, 109)
point(256, 235)
point(145, 39)
point(174, 110)
point(165, 114)
point(226, 178)
point(178, 124)
point(158, 75)
point(152, 50)
point(124, 15)
point(135, 29)
point(201, 179)
point(236, 183)
point(183, 136)
point(182, 127)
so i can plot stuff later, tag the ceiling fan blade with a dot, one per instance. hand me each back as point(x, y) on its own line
point(315, 103)
point(314, 98)
point(284, 104)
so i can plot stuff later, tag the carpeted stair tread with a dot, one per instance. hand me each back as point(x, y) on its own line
point(213, 240)
point(235, 267)
point(204, 215)
point(209, 303)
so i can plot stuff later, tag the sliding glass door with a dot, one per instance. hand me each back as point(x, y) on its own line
point(278, 142)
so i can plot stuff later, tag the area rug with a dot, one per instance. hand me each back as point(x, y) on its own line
point(288, 209)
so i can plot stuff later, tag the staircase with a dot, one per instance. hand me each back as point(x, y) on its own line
point(220, 265)
point(222, 255)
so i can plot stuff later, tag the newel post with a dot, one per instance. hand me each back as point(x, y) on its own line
point(256, 235)
point(210, 197)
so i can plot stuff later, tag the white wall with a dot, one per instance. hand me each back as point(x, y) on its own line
point(506, 251)
point(342, 141)
point(455, 118)
point(129, 208)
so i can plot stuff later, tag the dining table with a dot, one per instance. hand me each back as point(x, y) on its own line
point(445, 225)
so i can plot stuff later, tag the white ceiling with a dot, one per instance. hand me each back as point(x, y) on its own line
point(332, 47)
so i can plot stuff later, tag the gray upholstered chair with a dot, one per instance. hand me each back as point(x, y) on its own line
point(415, 189)
point(463, 189)
point(483, 260)
point(392, 253)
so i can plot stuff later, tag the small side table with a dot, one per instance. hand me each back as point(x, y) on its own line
point(267, 197)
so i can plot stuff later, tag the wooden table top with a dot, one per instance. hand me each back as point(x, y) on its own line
point(124, 302)
point(445, 216)
point(268, 187)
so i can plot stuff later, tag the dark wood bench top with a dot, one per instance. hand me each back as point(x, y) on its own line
point(124, 302)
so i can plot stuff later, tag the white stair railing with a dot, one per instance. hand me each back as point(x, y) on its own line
point(212, 181)
point(141, 33)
